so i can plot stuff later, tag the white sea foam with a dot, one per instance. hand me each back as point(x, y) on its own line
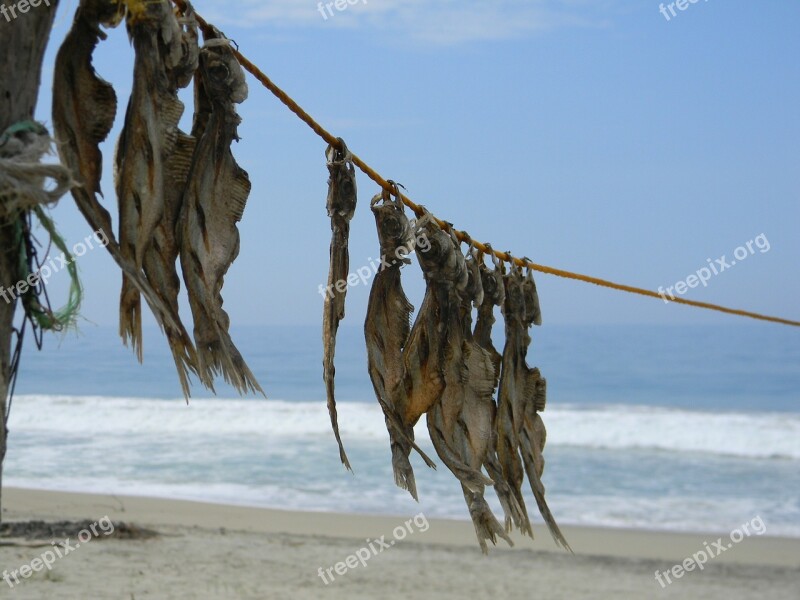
point(746, 435)
point(665, 468)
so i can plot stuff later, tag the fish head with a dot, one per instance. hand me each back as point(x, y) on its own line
point(441, 261)
point(533, 312)
point(342, 193)
point(473, 291)
point(189, 56)
point(394, 231)
point(514, 306)
point(223, 76)
point(492, 283)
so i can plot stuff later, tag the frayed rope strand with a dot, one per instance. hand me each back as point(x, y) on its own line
point(23, 176)
point(461, 235)
point(23, 193)
point(66, 316)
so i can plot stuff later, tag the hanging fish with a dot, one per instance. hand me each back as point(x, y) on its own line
point(472, 435)
point(433, 359)
point(341, 205)
point(533, 311)
point(214, 202)
point(424, 354)
point(513, 376)
point(531, 429)
point(152, 164)
point(519, 387)
point(84, 107)
point(386, 330)
point(472, 295)
point(494, 295)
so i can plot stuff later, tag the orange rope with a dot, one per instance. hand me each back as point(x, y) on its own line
point(461, 235)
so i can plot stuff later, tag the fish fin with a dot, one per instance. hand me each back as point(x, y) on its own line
point(540, 398)
point(240, 191)
point(481, 371)
point(102, 109)
point(532, 378)
point(179, 163)
point(170, 112)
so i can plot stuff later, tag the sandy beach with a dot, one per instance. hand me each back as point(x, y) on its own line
point(215, 551)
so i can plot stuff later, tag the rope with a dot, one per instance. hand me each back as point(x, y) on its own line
point(23, 193)
point(462, 236)
point(22, 176)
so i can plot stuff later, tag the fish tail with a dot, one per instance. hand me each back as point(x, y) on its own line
point(235, 370)
point(329, 387)
point(515, 511)
point(333, 312)
point(537, 487)
point(400, 444)
point(401, 441)
point(130, 317)
point(185, 358)
point(403, 471)
point(512, 475)
point(549, 519)
point(486, 524)
point(218, 355)
point(206, 368)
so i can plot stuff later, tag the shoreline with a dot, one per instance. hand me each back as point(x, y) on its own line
point(634, 543)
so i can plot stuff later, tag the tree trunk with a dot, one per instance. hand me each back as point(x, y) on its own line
point(23, 40)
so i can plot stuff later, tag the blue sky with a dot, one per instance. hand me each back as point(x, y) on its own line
point(593, 136)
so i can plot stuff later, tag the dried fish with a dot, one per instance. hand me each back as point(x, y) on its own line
point(531, 429)
point(533, 311)
point(84, 107)
point(425, 353)
point(214, 202)
point(522, 390)
point(386, 330)
point(436, 376)
point(152, 164)
point(341, 203)
point(494, 295)
point(513, 376)
point(473, 434)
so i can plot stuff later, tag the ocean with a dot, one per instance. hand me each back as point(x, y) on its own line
point(685, 428)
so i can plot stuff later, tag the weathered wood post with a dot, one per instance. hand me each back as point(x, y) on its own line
point(23, 40)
